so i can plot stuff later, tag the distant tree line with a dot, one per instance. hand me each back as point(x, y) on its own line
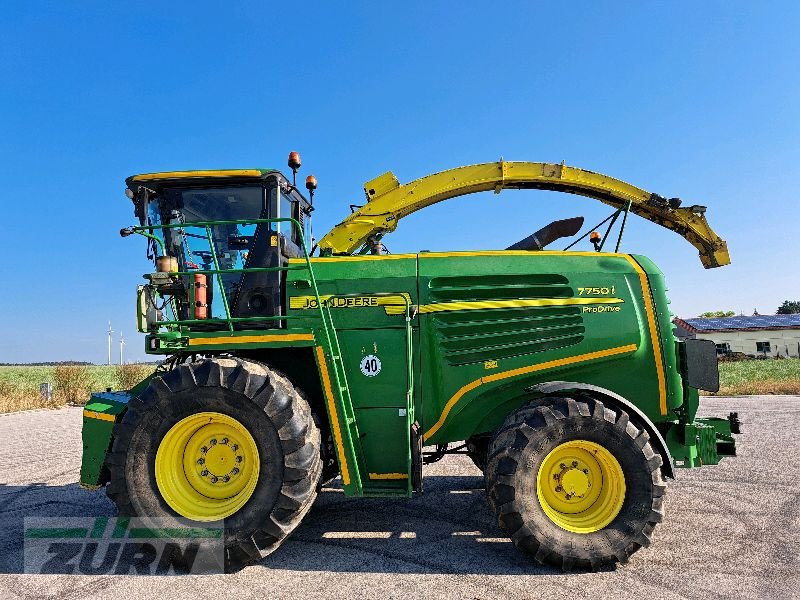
point(69, 363)
point(789, 307)
point(65, 363)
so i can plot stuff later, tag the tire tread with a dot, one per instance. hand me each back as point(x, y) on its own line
point(504, 460)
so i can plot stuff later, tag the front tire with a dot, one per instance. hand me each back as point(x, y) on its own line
point(575, 483)
point(219, 439)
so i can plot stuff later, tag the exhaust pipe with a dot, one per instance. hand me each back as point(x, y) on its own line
point(549, 234)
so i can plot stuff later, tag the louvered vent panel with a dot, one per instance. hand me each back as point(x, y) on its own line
point(480, 334)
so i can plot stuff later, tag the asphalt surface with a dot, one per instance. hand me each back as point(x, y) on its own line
point(731, 531)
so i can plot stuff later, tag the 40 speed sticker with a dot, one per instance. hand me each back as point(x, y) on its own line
point(370, 365)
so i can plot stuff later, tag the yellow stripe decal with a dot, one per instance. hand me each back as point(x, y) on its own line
point(181, 174)
point(324, 259)
point(251, 339)
point(651, 323)
point(90, 414)
point(499, 253)
point(337, 433)
point(487, 304)
point(502, 253)
point(388, 476)
point(550, 364)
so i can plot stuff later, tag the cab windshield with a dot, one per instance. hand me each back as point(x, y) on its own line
point(231, 242)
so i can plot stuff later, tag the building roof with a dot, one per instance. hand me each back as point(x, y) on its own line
point(740, 323)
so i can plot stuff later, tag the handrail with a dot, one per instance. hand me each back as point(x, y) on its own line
point(228, 320)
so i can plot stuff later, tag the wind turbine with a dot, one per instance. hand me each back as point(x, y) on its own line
point(121, 345)
point(110, 331)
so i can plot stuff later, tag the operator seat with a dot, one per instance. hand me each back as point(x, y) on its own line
point(260, 294)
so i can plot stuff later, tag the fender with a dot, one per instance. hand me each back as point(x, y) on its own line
point(101, 413)
point(667, 467)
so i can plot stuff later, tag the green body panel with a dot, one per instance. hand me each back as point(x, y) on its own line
point(363, 276)
point(658, 287)
point(385, 449)
point(498, 352)
point(100, 414)
point(169, 342)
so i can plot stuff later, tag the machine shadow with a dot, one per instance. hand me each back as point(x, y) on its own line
point(449, 529)
point(41, 500)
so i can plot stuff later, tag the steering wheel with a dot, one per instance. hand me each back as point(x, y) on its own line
point(204, 255)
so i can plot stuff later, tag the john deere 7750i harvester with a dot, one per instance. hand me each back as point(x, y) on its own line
point(558, 368)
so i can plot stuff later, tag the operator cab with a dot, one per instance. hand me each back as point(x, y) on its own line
point(202, 209)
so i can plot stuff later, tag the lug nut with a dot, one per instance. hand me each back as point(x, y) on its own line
point(204, 473)
point(203, 450)
point(574, 463)
point(562, 466)
point(586, 471)
point(213, 479)
point(235, 447)
point(225, 479)
point(238, 459)
point(234, 471)
point(556, 476)
point(200, 461)
point(213, 441)
point(559, 488)
point(224, 441)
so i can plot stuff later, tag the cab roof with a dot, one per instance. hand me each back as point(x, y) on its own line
point(158, 179)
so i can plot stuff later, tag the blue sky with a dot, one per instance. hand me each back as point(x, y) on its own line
point(689, 99)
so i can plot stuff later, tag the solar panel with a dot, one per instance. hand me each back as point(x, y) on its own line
point(745, 322)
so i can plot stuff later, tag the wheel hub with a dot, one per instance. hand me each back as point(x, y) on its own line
point(220, 460)
point(207, 466)
point(574, 481)
point(580, 486)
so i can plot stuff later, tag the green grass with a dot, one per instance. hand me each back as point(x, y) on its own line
point(19, 386)
point(759, 377)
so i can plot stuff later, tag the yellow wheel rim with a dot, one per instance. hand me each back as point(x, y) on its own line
point(580, 486)
point(207, 466)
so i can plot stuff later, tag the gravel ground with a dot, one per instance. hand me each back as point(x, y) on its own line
point(731, 531)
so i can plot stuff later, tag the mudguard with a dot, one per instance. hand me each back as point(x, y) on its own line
point(552, 387)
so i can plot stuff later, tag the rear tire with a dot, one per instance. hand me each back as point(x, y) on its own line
point(264, 408)
point(539, 475)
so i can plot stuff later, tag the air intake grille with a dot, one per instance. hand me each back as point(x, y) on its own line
point(479, 334)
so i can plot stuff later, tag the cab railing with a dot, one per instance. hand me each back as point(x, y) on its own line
point(206, 226)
